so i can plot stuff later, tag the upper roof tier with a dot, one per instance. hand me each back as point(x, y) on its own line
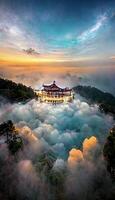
point(54, 87)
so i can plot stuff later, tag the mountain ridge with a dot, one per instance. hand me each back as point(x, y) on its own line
point(15, 92)
point(105, 100)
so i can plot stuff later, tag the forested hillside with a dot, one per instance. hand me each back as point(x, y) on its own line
point(15, 92)
point(105, 100)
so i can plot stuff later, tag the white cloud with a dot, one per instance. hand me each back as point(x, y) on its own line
point(59, 129)
point(62, 126)
point(91, 32)
point(15, 34)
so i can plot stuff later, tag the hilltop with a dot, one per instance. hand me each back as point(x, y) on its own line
point(15, 92)
point(106, 101)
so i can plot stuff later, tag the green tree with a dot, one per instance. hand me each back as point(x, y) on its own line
point(16, 92)
point(109, 152)
point(13, 139)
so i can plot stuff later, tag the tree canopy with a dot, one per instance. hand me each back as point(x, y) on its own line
point(15, 92)
point(109, 152)
point(13, 139)
point(105, 100)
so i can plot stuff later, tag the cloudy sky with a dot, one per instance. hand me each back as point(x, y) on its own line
point(38, 33)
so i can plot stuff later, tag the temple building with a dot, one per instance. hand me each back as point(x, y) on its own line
point(54, 94)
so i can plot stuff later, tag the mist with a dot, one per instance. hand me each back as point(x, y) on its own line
point(74, 133)
point(102, 78)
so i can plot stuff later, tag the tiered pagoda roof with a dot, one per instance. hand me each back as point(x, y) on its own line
point(53, 87)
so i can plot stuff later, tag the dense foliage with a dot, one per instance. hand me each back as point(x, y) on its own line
point(12, 137)
point(54, 177)
point(15, 92)
point(109, 152)
point(105, 100)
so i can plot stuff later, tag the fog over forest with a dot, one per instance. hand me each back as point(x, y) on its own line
point(72, 138)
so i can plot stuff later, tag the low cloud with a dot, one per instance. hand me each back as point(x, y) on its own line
point(74, 133)
point(87, 173)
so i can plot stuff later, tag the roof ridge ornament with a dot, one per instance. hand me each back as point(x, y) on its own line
point(54, 94)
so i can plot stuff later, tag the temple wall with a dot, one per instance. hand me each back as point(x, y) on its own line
point(54, 97)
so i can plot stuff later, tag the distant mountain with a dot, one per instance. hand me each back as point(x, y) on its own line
point(15, 92)
point(105, 100)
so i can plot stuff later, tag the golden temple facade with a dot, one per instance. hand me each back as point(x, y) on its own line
point(54, 94)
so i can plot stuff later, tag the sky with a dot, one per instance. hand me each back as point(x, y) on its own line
point(72, 42)
point(52, 35)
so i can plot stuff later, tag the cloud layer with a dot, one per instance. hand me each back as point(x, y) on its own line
point(74, 133)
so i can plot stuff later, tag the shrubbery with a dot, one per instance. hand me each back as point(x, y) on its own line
point(15, 92)
point(105, 100)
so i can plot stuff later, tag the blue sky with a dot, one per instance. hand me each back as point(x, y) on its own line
point(65, 29)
